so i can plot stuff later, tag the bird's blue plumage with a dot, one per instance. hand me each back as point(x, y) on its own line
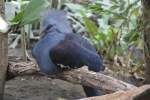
point(57, 19)
point(60, 45)
point(41, 52)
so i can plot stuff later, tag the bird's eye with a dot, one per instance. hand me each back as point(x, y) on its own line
point(44, 31)
point(49, 27)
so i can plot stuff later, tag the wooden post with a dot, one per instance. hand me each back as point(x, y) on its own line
point(23, 44)
point(3, 54)
point(146, 31)
point(3, 61)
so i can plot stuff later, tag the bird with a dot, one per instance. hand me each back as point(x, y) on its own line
point(60, 45)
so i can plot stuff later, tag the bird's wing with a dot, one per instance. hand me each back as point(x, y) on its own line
point(71, 53)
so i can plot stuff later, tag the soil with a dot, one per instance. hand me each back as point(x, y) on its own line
point(41, 88)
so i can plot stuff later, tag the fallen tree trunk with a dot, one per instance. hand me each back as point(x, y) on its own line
point(141, 93)
point(77, 76)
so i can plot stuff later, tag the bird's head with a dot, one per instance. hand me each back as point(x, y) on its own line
point(55, 19)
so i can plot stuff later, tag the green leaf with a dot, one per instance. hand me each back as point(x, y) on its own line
point(131, 6)
point(17, 19)
point(75, 7)
point(90, 26)
point(140, 43)
point(109, 36)
point(113, 7)
point(119, 16)
point(33, 10)
point(101, 36)
point(115, 1)
point(136, 11)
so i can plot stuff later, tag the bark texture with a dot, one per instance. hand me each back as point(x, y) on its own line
point(3, 54)
point(141, 93)
point(77, 76)
point(146, 31)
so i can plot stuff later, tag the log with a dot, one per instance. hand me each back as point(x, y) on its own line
point(141, 93)
point(93, 79)
point(77, 76)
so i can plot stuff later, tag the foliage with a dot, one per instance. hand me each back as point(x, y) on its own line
point(30, 12)
point(115, 29)
point(117, 26)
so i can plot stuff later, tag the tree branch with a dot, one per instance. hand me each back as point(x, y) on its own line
point(141, 93)
point(77, 76)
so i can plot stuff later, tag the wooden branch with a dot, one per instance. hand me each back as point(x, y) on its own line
point(141, 93)
point(92, 79)
point(78, 76)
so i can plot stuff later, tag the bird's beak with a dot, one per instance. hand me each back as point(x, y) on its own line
point(4, 27)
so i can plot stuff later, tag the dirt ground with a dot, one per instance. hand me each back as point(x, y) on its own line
point(41, 88)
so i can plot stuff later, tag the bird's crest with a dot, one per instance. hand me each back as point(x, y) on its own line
point(57, 19)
